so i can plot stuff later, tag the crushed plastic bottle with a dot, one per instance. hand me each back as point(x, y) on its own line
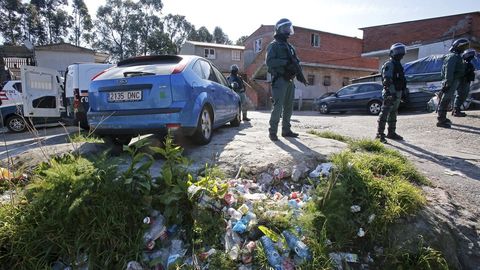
point(176, 254)
point(297, 246)
point(273, 257)
point(234, 214)
point(232, 244)
point(157, 229)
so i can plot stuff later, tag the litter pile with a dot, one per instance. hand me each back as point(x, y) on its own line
point(246, 207)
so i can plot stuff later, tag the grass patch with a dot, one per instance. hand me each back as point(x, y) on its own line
point(72, 208)
point(330, 135)
point(81, 137)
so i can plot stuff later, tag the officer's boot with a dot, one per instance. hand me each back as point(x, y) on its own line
point(380, 132)
point(391, 132)
point(442, 120)
point(458, 113)
point(244, 117)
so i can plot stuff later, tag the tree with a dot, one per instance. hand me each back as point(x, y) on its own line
point(177, 28)
point(149, 22)
point(53, 18)
point(241, 40)
point(202, 34)
point(113, 24)
point(160, 43)
point(220, 37)
point(82, 23)
point(33, 26)
point(10, 21)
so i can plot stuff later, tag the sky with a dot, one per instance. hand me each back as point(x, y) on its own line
point(344, 17)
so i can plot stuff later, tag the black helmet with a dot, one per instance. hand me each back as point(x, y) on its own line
point(468, 54)
point(284, 27)
point(233, 68)
point(459, 45)
point(397, 49)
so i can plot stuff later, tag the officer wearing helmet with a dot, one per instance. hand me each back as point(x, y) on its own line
point(283, 65)
point(464, 87)
point(236, 83)
point(453, 71)
point(394, 86)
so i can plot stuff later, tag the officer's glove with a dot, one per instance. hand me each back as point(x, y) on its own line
point(405, 95)
point(389, 99)
point(445, 87)
point(234, 86)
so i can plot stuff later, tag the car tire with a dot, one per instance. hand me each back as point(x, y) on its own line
point(374, 107)
point(323, 108)
point(118, 140)
point(203, 132)
point(236, 121)
point(16, 124)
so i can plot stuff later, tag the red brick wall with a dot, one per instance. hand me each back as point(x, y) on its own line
point(422, 31)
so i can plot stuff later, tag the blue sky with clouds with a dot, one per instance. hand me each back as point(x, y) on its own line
point(242, 17)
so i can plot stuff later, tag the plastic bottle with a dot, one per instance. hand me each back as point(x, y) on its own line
point(234, 214)
point(157, 229)
point(297, 246)
point(176, 254)
point(272, 254)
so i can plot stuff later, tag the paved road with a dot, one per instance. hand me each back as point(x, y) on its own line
point(449, 157)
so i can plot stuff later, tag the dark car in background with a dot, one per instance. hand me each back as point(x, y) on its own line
point(355, 97)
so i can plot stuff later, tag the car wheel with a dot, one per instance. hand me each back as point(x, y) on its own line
point(16, 123)
point(118, 140)
point(323, 108)
point(236, 121)
point(203, 133)
point(374, 107)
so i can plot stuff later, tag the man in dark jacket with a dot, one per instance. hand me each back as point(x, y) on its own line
point(394, 85)
point(284, 67)
point(236, 83)
point(464, 88)
point(453, 71)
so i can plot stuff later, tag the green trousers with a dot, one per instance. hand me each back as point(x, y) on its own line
point(446, 99)
point(283, 92)
point(462, 94)
point(243, 100)
point(389, 113)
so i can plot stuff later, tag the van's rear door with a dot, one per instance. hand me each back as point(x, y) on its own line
point(42, 93)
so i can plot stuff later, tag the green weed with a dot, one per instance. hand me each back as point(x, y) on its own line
point(330, 135)
point(85, 137)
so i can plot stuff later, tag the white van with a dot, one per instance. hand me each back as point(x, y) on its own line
point(46, 98)
point(77, 80)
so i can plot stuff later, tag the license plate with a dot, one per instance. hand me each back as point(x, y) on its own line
point(125, 96)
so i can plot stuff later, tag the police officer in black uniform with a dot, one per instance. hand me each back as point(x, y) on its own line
point(394, 87)
point(464, 87)
point(453, 71)
point(238, 86)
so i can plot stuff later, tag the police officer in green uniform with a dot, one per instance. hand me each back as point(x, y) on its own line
point(453, 71)
point(394, 86)
point(284, 67)
point(238, 86)
point(464, 88)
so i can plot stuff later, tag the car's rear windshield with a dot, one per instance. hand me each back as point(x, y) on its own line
point(142, 66)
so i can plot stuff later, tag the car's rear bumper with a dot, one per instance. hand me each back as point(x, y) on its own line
point(137, 122)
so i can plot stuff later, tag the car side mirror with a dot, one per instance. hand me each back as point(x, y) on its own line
point(336, 95)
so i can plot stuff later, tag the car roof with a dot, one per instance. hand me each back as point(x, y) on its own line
point(152, 58)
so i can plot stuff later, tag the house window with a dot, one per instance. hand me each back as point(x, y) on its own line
point(346, 81)
point(258, 45)
point(315, 40)
point(327, 80)
point(210, 53)
point(236, 55)
point(311, 79)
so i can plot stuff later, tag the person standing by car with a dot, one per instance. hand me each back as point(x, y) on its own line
point(453, 71)
point(394, 85)
point(238, 86)
point(464, 87)
point(283, 65)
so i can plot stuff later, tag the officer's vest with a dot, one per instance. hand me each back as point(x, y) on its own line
point(399, 80)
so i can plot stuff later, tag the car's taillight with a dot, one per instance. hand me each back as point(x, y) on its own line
point(173, 126)
point(179, 67)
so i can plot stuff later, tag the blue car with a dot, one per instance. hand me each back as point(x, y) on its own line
point(354, 97)
point(152, 94)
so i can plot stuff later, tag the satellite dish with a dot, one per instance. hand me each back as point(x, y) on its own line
point(28, 44)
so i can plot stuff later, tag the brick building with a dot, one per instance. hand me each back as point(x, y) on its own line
point(422, 37)
point(329, 61)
